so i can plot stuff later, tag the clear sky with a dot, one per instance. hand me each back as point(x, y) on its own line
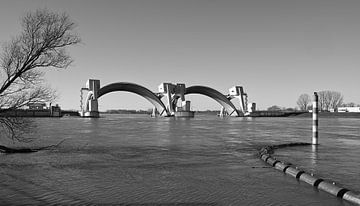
point(275, 49)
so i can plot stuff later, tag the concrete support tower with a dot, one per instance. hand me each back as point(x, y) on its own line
point(167, 90)
point(173, 93)
point(91, 108)
point(238, 93)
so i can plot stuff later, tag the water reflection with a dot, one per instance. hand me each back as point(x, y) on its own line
point(314, 155)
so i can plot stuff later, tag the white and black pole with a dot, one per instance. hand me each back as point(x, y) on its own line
point(315, 110)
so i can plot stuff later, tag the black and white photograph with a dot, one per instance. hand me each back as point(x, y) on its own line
point(180, 102)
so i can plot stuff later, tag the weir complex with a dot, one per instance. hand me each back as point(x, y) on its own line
point(168, 101)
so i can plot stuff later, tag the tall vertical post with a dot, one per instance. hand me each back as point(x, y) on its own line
point(315, 109)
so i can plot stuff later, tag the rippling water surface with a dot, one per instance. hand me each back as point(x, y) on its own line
point(119, 159)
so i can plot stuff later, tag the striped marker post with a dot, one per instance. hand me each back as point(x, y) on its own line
point(315, 110)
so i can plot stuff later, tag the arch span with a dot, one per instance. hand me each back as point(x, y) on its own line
point(134, 88)
point(214, 94)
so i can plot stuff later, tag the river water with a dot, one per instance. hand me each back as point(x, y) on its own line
point(207, 160)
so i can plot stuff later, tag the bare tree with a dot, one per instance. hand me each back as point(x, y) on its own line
point(329, 100)
point(336, 100)
point(351, 104)
point(41, 44)
point(304, 101)
point(321, 100)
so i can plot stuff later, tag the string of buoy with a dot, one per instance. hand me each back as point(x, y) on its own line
point(321, 184)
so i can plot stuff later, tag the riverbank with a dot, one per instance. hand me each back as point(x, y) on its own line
point(332, 115)
point(263, 113)
point(38, 113)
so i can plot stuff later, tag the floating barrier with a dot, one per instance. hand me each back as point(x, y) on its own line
point(332, 189)
point(272, 161)
point(352, 197)
point(281, 166)
point(301, 175)
point(294, 172)
point(310, 179)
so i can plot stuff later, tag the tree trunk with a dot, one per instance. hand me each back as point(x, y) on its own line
point(9, 150)
point(4, 149)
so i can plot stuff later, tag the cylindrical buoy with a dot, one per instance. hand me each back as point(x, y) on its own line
point(294, 172)
point(315, 112)
point(281, 166)
point(352, 197)
point(331, 188)
point(265, 157)
point(272, 161)
point(310, 179)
